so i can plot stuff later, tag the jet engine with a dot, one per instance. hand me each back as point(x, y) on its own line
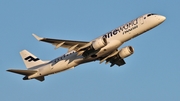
point(98, 43)
point(95, 46)
point(126, 51)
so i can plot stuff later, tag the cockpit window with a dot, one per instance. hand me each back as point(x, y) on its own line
point(150, 14)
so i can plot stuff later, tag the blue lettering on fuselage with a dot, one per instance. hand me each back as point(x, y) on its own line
point(124, 29)
point(53, 62)
point(130, 29)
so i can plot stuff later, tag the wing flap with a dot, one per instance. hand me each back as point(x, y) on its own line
point(22, 72)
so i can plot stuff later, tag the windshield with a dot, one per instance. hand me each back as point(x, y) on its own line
point(150, 14)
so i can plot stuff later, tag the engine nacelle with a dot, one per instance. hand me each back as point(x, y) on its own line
point(99, 43)
point(126, 51)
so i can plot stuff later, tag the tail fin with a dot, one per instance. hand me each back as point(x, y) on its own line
point(29, 59)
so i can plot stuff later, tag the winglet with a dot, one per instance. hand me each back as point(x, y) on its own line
point(37, 37)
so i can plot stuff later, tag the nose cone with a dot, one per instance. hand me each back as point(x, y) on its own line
point(161, 18)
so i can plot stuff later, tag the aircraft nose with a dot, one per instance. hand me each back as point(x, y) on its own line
point(162, 18)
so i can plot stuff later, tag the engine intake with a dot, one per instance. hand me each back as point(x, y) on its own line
point(99, 43)
point(95, 46)
point(126, 51)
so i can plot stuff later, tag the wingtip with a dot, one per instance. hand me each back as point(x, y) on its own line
point(8, 70)
point(37, 37)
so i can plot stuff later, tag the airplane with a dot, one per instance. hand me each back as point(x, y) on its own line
point(103, 49)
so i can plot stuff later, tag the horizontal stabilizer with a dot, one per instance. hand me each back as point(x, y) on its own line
point(22, 72)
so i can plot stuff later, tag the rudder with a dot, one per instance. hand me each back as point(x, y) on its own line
point(29, 59)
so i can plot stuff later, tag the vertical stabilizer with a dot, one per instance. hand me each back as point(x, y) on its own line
point(29, 59)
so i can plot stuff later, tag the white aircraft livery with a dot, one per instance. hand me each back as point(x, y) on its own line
point(103, 48)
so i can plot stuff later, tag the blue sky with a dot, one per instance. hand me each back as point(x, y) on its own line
point(152, 73)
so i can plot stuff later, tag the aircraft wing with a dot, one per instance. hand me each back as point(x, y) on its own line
point(70, 44)
point(114, 59)
point(22, 72)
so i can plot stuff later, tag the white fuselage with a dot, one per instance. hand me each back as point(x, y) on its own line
point(115, 39)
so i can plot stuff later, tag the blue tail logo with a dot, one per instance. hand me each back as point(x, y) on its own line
point(30, 58)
